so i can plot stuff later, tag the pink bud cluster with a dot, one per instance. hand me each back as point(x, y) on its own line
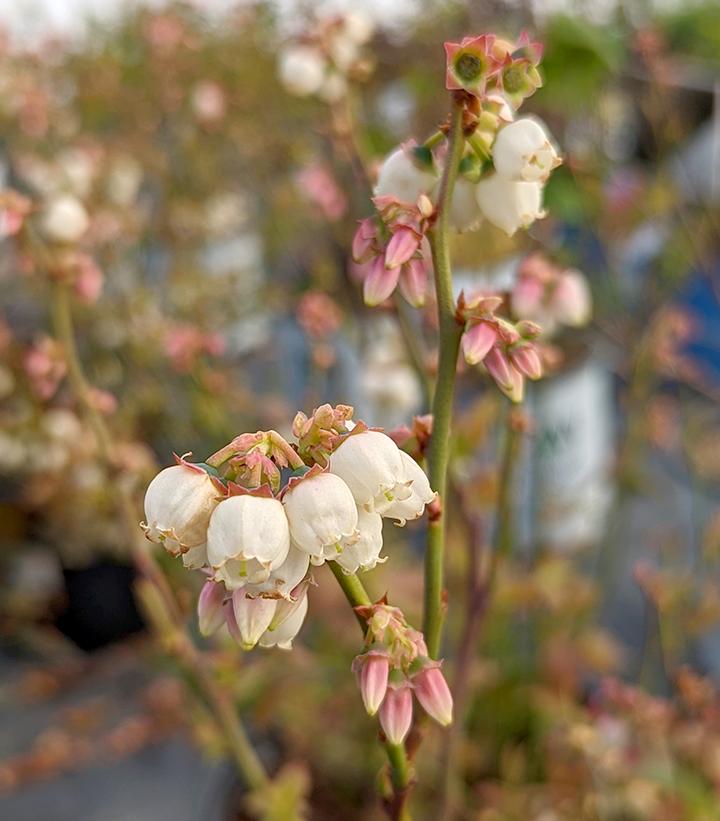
point(391, 250)
point(506, 349)
point(551, 295)
point(393, 667)
point(185, 344)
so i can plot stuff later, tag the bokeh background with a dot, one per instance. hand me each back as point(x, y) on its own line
point(217, 296)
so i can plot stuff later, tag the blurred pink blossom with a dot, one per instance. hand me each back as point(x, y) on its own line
point(317, 184)
point(45, 366)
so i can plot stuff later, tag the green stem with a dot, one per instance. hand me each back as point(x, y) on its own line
point(164, 610)
point(434, 139)
point(450, 331)
point(65, 332)
point(353, 589)
point(357, 596)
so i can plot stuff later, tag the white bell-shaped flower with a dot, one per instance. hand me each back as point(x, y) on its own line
point(405, 510)
point(283, 579)
point(248, 537)
point(401, 178)
point(247, 619)
point(302, 70)
point(371, 465)
point(322, 515)
point(465, 213)
point(522, 151)
point(64, 219)
point(178, 504)
point(509, 205)
point(282, 636)
point(363, 553)
point(195, 558)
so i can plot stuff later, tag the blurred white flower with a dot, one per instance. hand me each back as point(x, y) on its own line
point(302, 70)
point(465, 213)
point(64, 219)
point(400, 178)
point(509, 205)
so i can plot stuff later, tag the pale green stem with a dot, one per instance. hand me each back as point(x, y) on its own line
point(450, 331)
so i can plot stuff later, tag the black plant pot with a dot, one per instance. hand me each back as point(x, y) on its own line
point(100, 606)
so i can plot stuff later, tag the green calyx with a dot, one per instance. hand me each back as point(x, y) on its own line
point(469, 67)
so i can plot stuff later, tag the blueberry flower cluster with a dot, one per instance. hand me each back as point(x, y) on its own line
point(260, 511)
point(505, 164)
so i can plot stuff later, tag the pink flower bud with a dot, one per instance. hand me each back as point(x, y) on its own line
point(433, 693)
point(413, 282)
point(477, 341)
point(425, 206)
point(571, 301)
point(506, 376)
point(499, 367)
point(528, 329)
point(373, 680)
point(525, 358)
point(403, 244)
point(380, 282)
point(396, 712)
point(364, 240)
point(88, 281)
point(247, 619)
point(211, 614)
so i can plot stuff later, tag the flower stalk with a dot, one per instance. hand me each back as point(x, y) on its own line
point(450, 332)
point(357, 596)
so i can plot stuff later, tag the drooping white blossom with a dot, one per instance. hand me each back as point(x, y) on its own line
point(363, 552)
point(322, 515)
point(178, 504)
point(523, 151)
point(282, 636)
point(283, 579)
point(248, 537)
point(412, 507)
point(371, 465)
point(509, 205)
point(465, 213)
